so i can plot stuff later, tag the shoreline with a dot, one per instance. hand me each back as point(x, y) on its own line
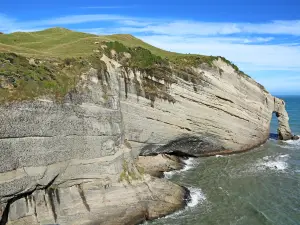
point(185, 166)
point(180, 165)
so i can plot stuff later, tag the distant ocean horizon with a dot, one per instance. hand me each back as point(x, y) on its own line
point(258, 187)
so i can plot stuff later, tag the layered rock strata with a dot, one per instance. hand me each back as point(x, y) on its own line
point(75, 161)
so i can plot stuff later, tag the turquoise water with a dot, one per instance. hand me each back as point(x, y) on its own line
point(261, 186)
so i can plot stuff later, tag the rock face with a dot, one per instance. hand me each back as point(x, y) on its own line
point(284, 130)
point(158, 164)
point(74, 162)
point(227, 113)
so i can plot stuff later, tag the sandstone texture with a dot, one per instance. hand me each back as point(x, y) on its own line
point(158, 164)
point(225, 113)
point(77, 161)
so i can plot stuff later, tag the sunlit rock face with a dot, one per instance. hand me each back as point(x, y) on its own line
point(74, 162)
point(284, 131)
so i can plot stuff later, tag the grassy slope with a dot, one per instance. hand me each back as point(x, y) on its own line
point(60, 42)
point(64, 43)
point(62, 54)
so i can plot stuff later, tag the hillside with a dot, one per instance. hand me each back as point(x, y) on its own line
point(60, 42)
point(50, 61)
point(64, 43)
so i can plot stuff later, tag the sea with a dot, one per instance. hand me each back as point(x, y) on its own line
point(258, 187)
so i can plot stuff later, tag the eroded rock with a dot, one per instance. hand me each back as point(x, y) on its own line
point(74, 161)
point(284, 131)
point(93, 203)
point(158, 164)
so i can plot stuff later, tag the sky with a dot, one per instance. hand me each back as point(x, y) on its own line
point(261, 37)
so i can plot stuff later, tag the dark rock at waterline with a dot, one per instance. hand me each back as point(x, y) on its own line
point(185, 146)
point(295, 137)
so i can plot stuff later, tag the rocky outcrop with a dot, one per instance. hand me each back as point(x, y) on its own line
point(69, 163)
point(92, 203)
point(226, 113)
point(158, 164)
point(284, 131)
point(74, 162)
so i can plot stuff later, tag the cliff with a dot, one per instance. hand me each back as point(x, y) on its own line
point(73, 129)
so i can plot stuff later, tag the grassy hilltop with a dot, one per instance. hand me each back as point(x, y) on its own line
point(50, 61)
point(61, 42)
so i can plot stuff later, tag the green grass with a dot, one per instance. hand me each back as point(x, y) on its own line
point(61, 55)
point(129, 174)
point(140, 58)
point(21, 79)
point(54, 42)
point(60, 42)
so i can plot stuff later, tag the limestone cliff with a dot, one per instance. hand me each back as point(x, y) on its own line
point(72, 161)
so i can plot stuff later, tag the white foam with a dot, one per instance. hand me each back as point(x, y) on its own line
point(293, 142)
point(188, 164)
point(197, 197)
point(219, 156)
point(274, 163)
point(284, 156)
point(169, 174)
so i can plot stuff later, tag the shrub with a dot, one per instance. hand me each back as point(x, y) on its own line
point(30, 81)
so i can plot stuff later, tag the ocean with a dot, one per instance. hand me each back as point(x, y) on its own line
point(257, 187)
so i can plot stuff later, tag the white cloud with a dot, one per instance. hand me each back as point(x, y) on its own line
point(164, 26)
point(290, 27)
point(249, 57)
point(9, 25)
point(75, 19)
point(258, 39)
point(251, 46)
point(5, 22)
point(178, 27)
point(281, 84)
point(135, 23)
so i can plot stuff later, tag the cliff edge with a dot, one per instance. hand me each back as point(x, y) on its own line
point(73, 129)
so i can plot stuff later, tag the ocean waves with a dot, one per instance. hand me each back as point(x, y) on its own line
point(188, 164)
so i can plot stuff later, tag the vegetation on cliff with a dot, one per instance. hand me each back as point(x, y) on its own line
point(22, 78)
point(50, 62)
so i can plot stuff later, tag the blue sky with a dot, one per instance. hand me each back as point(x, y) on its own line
point(261, 37)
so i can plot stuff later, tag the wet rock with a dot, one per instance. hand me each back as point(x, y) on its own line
point(295, 137)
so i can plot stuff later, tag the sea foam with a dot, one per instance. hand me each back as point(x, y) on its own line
point(274, 163)
point(197, 197)
point(188, 164)
point(295, 143)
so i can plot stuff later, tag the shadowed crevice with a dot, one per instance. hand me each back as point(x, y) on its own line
point(82, 196)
